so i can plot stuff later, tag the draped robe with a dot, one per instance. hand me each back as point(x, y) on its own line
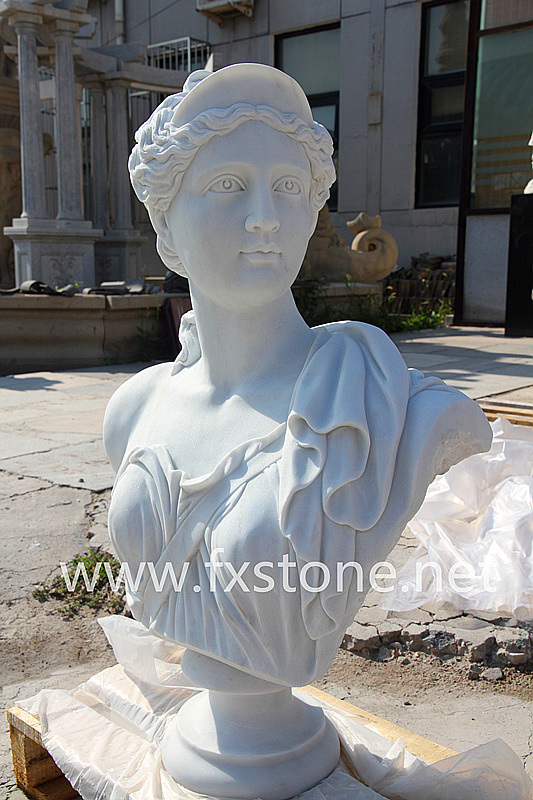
point(363, 439)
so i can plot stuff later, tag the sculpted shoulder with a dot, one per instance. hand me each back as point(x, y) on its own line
point(126, 407)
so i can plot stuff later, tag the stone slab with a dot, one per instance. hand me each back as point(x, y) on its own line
point(478, 385)
point(83, 465)
point(390, 631)
point(371, 615)
point(424, 361)
point(114, 372)
point(99, 539)
point(19, 444)
point(419, 615)
point(34, 536)
point(359, 638)
point(27, 413)
point(15, 485)
point(523, 396)
point(100, 390)
point(66, 423)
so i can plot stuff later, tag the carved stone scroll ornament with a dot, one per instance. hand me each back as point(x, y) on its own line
point(270, 459)
point(372, 256)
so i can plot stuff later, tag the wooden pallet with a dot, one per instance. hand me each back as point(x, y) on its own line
point(423, 748)
point(38, 776)
point(517, 413)
point(36, 773)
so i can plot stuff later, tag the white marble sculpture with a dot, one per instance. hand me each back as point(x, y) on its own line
point(269, 457)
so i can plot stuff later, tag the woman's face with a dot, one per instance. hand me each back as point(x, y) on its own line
point(241, 220)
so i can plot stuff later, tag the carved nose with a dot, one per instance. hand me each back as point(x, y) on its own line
point(263, 219)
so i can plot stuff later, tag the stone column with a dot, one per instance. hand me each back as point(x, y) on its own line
point(99, 157)
point(119, 150)
point(32, 157)
point(118, 253)
point(55, 251)
point(375, 101)
point(68, 145)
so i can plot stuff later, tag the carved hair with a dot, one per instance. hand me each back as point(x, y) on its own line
point(164, 151)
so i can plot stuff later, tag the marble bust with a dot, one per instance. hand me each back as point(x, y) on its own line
point(271, 465)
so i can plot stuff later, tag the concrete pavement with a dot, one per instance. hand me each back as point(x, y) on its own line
point(481, 362)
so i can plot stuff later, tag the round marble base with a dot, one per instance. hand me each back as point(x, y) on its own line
point(271, 745)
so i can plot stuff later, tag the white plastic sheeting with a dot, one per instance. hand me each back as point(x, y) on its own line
point(104, 736)
point(475, 530)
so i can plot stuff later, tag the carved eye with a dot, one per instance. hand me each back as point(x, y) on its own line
point(288, 186)
point(226, 185)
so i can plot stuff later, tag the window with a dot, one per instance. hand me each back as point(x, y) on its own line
point(441, 101)
point(503, 111)
point(313, 59)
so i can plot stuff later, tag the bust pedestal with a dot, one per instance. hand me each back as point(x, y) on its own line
point(244, 737)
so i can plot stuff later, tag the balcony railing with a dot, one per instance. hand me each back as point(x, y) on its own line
point(179, 54)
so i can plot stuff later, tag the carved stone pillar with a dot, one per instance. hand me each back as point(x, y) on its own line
point(119, 150)
point(118, 253)
point(56, 251)
point(32, 158)
point(99, 157)
point(68, 132)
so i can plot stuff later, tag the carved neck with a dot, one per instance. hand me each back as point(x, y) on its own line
point(250, 344)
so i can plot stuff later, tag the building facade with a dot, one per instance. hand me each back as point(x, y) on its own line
point(359, 63)
point(429, 103)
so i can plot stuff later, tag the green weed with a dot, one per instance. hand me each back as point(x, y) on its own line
point(318, 309)
point(100, 598)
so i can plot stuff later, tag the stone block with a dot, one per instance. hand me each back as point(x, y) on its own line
point(359, 637)
point(439, 641)
point(54, 251)
point(353, 113)
point(513, 647)
point(98, 536)
point(416, 615)
point(486, 254)
point(385, 654)
point(47, 332)
point(513, 639)
point(475, 638)
point(389, 631)
point(400, 89)
point(371, 615)
point(350, 7)
point(492, 674)
point(413, 634)
point(447, 611)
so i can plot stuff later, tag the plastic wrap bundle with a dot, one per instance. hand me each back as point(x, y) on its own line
point(105, 737)
point(475, 530)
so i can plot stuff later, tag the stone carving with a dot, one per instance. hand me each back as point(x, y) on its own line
point(62, 268)
point(271, 465)
point(372, 256)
